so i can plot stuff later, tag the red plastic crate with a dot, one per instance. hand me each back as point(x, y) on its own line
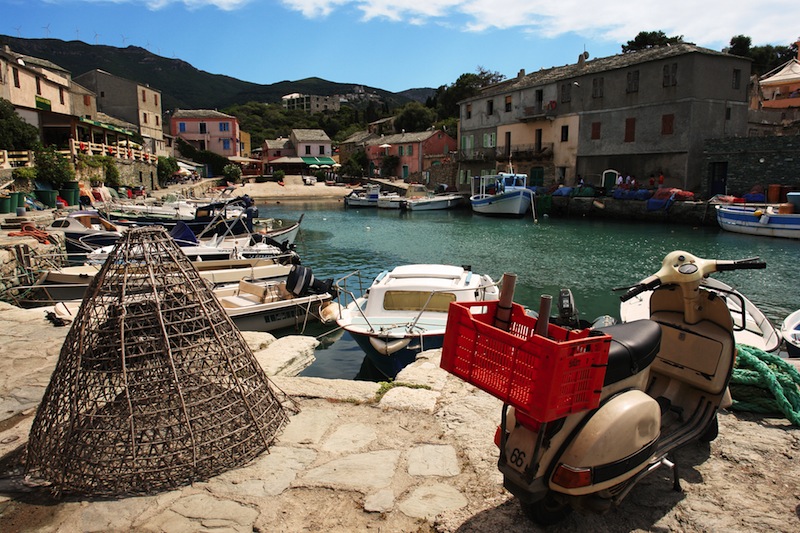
point(545, 377)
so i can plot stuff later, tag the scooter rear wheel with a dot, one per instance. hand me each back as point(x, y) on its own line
point(546, 512)
point(711, 431)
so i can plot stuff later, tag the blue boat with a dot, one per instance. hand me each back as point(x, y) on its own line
point(501, 194)
point(763, 221)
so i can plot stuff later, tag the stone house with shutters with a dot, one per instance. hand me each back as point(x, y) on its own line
point(640, 113)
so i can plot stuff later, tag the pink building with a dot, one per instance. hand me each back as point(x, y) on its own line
point(206, 129)
point(417, 152)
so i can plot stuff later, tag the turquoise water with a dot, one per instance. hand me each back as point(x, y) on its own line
point(588, 256)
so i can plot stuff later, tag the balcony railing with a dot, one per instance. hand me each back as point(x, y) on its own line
point(539, 110)
point(525, 151)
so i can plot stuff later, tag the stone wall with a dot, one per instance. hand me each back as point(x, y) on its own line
point(755, 161)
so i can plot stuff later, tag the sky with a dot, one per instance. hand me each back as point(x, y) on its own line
point(391, 44)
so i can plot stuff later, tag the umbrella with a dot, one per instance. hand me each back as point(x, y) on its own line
point(313, 166)
point(336, 165)
point(325, 166)
point(385, 145)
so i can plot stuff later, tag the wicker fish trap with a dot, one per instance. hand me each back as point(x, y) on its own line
point(154, 387)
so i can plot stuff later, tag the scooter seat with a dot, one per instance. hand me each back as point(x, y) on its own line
point(634, 345)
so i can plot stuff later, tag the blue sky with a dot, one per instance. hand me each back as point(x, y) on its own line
point(390, 44)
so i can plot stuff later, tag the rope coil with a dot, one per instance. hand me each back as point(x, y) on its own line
point(765, 383)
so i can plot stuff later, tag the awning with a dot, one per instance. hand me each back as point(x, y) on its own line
point(318, 161)
point(105, 126)
point(239, 159)
point(287, 161)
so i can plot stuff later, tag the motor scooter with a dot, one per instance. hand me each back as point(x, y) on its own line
point(665, 380)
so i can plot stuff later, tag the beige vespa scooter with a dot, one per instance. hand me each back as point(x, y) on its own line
point(665, 380)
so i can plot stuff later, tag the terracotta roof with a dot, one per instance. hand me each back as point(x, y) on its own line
point(278, 144)
point(359, 137)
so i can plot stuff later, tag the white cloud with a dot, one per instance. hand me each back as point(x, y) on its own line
point(711, 23)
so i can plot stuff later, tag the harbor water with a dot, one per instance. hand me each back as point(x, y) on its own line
point(588, 256)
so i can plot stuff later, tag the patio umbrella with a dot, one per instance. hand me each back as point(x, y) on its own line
point(385, 145)
point(336, 165)
point(325, 166)
point(313, 166)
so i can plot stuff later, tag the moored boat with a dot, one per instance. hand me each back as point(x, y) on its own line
point(363, 197)
point(85, 231)
point(750, 325)
point(503, 194)
point(404, 311)
point(433, 202)
point(762, 221)
point(790, 331)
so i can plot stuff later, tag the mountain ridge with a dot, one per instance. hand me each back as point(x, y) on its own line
point(181, 84)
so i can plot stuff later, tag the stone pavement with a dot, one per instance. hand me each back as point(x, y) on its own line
point(350, 459)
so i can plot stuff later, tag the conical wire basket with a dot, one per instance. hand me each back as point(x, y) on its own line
point(154, 387)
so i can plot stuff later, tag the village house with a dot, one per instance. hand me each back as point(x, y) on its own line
point(207, 129)
point(416, 152)
point(310, 103)
point(641, 113)
point(136, 103)
point(67, 117)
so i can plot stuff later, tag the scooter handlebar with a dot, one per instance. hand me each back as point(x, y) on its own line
point(639, 288)
point(741, 264)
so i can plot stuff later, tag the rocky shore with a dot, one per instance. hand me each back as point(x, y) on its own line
point(414, 455)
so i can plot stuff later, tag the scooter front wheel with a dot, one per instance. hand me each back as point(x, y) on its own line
point(546, 512)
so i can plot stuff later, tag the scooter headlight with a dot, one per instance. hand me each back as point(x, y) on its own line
point(570, 477)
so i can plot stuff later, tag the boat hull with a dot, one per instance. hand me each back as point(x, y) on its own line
point(391, 364)
point(285, 315)
point(433, 204)
point(790, 331)
point(752, 221)
point(512, 203)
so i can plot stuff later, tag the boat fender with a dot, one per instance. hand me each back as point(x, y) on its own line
point(388, 347)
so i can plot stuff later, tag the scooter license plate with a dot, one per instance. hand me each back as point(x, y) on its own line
point(520, 447)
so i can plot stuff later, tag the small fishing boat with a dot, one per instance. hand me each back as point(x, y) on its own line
point(262, 305)
point(85, 231)
point(432, 202)
point(404, 311)
point(503, 194)
point(70, 283)
point(790, 331)
point(363, 197)
point(395, 200)
point(762, 221)
point(750, 325)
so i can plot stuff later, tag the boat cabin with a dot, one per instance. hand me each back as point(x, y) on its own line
point(80, 221)
point(492, 184)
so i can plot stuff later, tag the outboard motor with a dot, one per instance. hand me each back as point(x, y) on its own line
point(301, 282)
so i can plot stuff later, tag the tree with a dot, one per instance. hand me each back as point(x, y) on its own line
point(232, 173)
point(446, 98)
point(650, 39)
point(414, 117)
point(740, 46)
point(15, 133)
point(167, 166)
point(765, 58)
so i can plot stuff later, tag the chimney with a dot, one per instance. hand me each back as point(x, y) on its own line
point(581, 61)
point(521, 74)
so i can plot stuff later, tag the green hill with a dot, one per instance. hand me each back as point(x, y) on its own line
point(181, 84)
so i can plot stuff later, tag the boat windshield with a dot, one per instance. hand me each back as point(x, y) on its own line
point(415, 301)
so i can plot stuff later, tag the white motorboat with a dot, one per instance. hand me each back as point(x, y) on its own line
point(790, 331)
point(395, 200)
point(502, 194)
point(404, 311)
point(433, 202)
point(261, 305)
point(363, 197)
point(84, 231)
point(70, 283)
point(750, 325)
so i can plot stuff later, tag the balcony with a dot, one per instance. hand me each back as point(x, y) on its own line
point(539, 111)
point(525, 152)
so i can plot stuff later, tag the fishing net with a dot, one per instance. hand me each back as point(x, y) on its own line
point(154, 387)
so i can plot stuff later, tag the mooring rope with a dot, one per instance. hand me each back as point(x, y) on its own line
point(765, 383)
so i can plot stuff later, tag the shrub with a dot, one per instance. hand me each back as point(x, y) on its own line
point(279, 175)
point(232, 173)
point(52, 167)
point(23, 178)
